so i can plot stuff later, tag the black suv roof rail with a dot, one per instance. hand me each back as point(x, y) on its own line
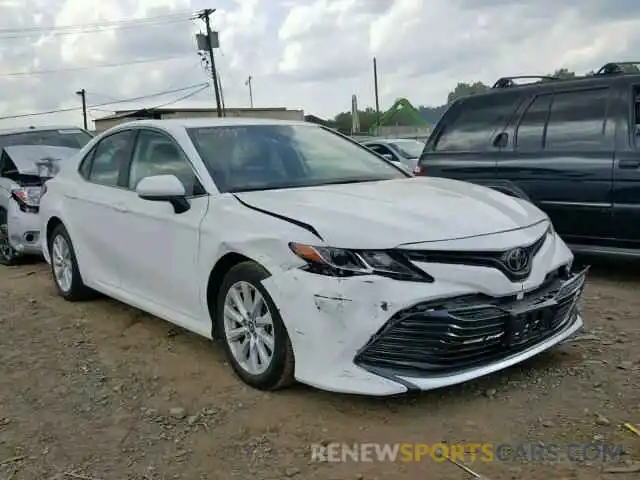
point(506, 82)
point(618, 68)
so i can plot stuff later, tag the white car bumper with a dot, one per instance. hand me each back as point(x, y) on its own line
point(359, 335)
point(24, 229)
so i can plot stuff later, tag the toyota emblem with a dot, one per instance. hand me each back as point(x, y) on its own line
point(517, 260)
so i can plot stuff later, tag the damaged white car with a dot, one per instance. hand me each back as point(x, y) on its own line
point(310, 257)
point(23, 170)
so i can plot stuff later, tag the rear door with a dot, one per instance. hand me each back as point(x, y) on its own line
point(96, 206)
point(563, 160)
point(462, 145)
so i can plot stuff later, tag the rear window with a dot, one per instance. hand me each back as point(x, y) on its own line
point(71, 138)
point(468, 126)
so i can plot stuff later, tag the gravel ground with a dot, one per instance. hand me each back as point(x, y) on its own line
point(99, 390)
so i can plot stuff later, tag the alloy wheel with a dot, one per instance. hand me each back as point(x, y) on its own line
point(62, 263)
point(248, 327)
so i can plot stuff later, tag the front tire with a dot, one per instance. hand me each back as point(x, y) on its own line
point(64, 267)
point(8, 255)
point(253, 334)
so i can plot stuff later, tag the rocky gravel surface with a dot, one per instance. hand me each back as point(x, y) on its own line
point(101, 391)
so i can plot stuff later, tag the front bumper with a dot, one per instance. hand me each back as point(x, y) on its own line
point(24, 230)
point(378, 336)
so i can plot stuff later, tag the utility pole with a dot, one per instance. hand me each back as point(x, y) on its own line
point(83, 96)
point(224, 109)
point(204, 15)
point(248, 82)
point(375, 86)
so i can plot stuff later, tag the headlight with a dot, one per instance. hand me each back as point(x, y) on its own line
point(338, 262)
point(550, 230)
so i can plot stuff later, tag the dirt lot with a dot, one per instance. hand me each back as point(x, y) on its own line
point(102, 391)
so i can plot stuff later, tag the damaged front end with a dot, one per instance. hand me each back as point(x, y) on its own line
point(465, 334)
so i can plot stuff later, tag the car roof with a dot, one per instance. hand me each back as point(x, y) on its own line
point(42, 128)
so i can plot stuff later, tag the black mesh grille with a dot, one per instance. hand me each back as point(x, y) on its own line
point(440, 338)
point(476, 258)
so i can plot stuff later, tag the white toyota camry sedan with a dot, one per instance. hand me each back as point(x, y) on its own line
point(310, 257)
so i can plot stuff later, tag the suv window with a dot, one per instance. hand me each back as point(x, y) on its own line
point(470, 124)
point(157, 154)
point(577, 120)
point(109, 156)
point(530, 133)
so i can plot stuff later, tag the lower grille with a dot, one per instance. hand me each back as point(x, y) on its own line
point(458, 334)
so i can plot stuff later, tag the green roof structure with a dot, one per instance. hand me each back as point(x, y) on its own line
point(401, 106)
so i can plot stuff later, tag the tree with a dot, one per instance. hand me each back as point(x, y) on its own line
point(563, 74)
point(465, 89)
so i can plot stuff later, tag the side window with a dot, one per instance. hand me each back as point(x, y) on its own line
point(577, 120)
point(157, 154)
point(379, 149)
point(471, 124)
point(85, 165)
point(636, 115)
point(109, 156)
point(530, 133)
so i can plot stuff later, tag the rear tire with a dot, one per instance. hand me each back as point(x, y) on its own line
point(8, 255)
point(64, 267)
point(256, 342)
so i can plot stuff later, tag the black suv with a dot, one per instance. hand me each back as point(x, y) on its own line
point(572, 147)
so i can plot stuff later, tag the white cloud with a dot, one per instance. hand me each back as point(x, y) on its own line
point(311, 54)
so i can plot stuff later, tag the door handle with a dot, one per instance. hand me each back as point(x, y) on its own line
point(630, 164)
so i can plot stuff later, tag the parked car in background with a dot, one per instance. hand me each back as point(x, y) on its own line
point(28, 157)
point(399, 150)
point(570, 146)
point(304, 252)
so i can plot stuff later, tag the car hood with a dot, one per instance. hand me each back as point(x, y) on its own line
point(390, 213)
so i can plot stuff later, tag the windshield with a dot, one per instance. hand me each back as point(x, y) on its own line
point(71, 138)
point(262, 157)
point(409, 148)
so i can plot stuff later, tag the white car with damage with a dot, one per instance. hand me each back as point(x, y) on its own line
point(308, 256)
point(28, 157)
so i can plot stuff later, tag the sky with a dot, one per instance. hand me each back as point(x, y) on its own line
point(304, 54)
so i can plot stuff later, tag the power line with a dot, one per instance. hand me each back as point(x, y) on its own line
point(94, 27)
point(200, 86)
point(179, 99)
point(91, 67)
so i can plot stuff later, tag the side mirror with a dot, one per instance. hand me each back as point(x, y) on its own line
point(164, 188)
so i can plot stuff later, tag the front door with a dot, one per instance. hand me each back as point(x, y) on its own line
point(163, 246)
point(626, 191)
point(563, 161)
